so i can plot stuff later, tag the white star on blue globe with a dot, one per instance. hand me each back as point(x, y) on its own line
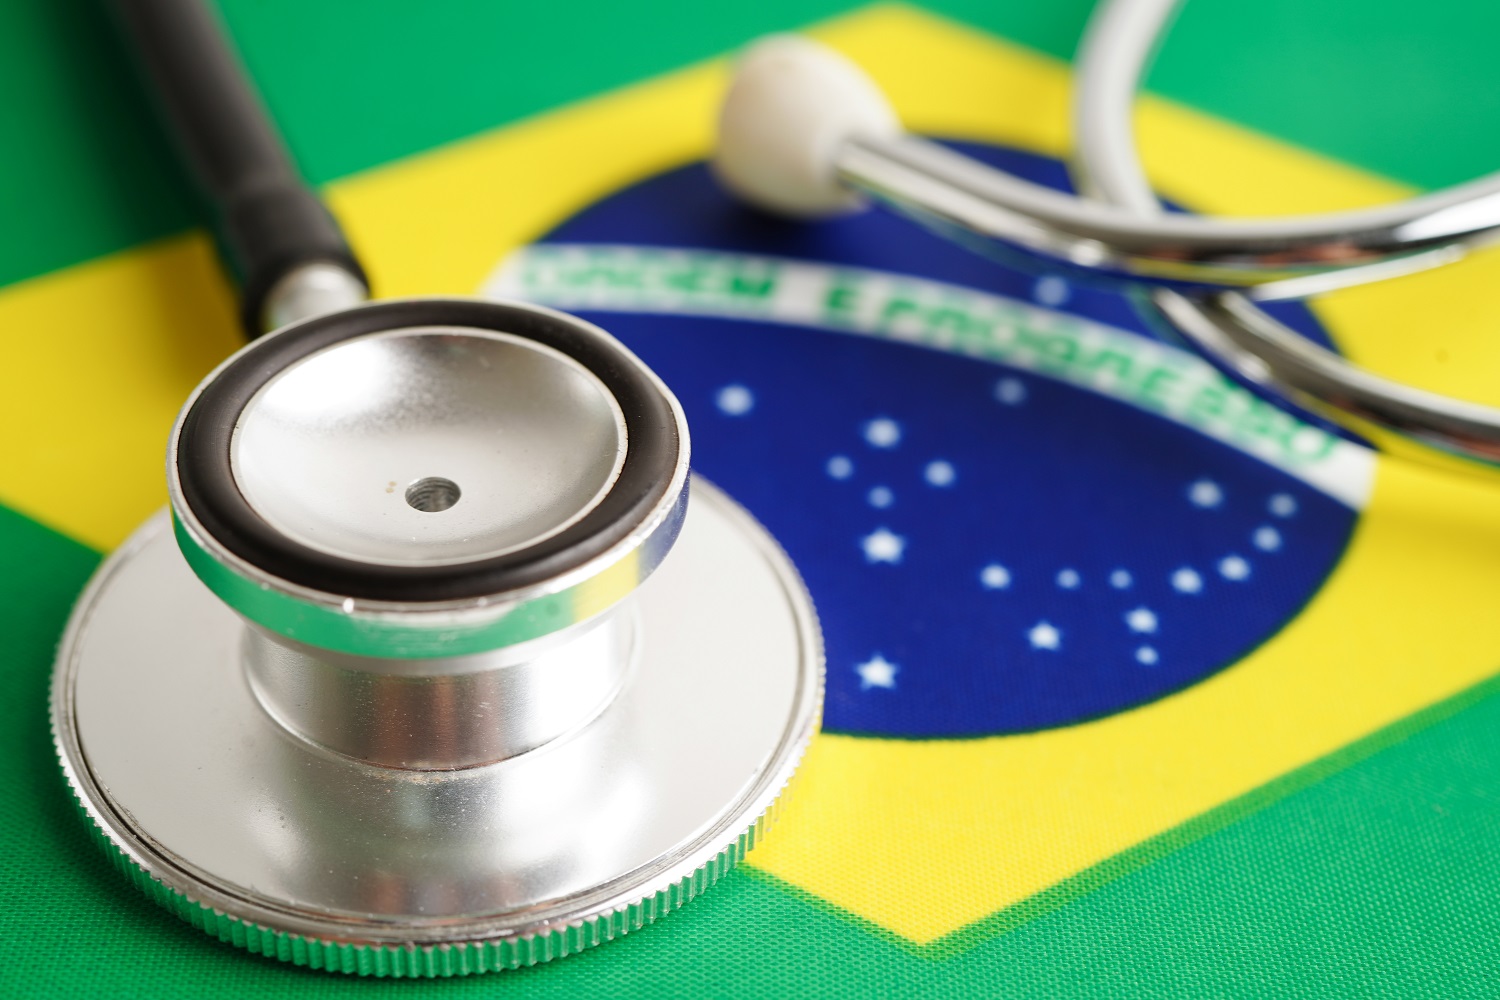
point(1010, 391)
point(1205, 493)
point(882, 546)
point(735, 400)
point(1234, 568)
point(883, 432)
point(1266, 538)
point(877, 672)
point(1187, 581)
point(1045, 635)
point(939, 473)
point(994, 577)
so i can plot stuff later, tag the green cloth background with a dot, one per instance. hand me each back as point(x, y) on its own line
point(1373, 873)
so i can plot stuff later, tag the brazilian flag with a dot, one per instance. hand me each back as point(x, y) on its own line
point(1137, 686)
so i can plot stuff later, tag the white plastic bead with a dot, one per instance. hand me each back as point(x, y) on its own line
point(791, 104)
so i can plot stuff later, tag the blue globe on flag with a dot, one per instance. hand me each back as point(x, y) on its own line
point(1015, 508)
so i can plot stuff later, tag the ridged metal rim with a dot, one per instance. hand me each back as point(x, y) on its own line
point(431, 961)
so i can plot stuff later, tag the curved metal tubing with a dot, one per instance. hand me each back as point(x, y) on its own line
point(1279, 257)
point(1229, 328)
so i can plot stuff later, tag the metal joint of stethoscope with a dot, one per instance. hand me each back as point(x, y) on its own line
point(438, 664)
point(804, 133)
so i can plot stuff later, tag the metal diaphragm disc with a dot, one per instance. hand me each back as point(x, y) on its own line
point(527, 441)
point(295, 851)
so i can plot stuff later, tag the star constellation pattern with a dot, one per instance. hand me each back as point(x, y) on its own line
point(885, 546)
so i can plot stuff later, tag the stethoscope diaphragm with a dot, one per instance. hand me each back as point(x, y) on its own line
point(438, 663)
point(580, 731)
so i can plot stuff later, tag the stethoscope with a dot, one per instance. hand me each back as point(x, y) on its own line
point(803, 132)
point(438, 665)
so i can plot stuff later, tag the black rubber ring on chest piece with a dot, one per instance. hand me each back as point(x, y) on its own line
point(208, 486)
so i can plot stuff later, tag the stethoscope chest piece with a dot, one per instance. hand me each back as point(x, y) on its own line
point(434, 667)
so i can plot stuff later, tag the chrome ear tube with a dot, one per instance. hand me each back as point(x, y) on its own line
point(804, 133)
point(1229, 327)
point(437, 664)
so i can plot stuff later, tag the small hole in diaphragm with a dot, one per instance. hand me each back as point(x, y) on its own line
point(432, 494)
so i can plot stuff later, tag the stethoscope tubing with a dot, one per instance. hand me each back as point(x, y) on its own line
point(1279, 258)
point(268, 221)
point(1275, 258)
point(1229, 328)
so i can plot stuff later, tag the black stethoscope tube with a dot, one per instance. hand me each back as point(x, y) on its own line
point(267, 219)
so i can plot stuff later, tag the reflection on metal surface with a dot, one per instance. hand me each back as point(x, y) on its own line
point(575, 842)
point(454, 712)
point(1229, 328)
point(311, 290)
point(428, 478)
point(327, 450)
